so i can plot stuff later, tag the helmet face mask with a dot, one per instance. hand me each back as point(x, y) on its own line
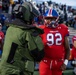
point(51, 22)
point(52, 16)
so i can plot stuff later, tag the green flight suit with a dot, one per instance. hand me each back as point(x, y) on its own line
point(17, 57)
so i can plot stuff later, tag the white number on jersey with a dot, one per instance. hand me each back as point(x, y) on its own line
point(51, 39)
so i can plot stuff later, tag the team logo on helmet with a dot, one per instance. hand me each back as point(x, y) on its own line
point(51, 13)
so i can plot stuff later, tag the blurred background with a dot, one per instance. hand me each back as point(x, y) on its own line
point(65, 8)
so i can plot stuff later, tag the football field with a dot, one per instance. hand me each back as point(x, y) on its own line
point(66, 72)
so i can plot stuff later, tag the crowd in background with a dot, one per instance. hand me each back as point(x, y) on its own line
point(67, 13)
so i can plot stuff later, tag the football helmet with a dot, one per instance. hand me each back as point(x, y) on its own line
point(53, 15)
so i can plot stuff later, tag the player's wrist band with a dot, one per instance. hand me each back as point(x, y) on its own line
point(65, 61)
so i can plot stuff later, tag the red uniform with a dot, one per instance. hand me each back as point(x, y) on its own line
point(1, 39)
point(1, 36)
point(73, 52)
point(53, 40)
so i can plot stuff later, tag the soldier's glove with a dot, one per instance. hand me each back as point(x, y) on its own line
point(37, 55)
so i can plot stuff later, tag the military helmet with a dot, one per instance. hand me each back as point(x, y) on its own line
point(27, 11)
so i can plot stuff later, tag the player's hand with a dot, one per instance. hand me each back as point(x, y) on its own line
point(63, 67)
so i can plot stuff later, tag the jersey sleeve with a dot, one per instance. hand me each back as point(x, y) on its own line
point(66, 30)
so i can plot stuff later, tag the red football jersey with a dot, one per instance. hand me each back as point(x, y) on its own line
point(1, 36)
point(73, 53)
point(53, 39)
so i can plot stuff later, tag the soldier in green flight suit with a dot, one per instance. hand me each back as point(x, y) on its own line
point(22, 44)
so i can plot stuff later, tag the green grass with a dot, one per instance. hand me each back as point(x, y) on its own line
point(36, 73)
point(66, 72)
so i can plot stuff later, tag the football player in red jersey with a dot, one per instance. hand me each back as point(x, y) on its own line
point(73, 53)
point(56, 45)
point(74, 47)
point(1, 40)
